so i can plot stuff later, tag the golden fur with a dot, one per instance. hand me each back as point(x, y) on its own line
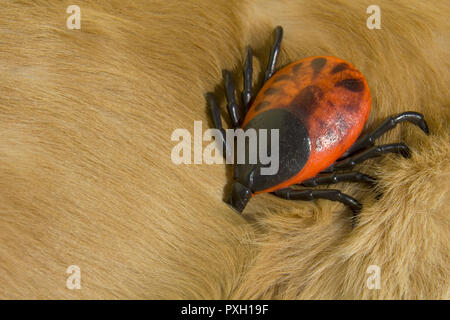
point(86, 177)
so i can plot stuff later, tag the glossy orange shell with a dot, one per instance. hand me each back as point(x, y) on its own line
point(332, 99)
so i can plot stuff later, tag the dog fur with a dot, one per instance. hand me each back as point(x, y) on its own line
point(86, 178)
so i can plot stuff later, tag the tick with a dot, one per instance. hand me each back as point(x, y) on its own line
point(320, 106)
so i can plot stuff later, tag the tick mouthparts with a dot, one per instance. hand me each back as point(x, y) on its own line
point(239, 197)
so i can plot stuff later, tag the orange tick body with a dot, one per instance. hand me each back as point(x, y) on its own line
point(318, 106)
point(332, 100)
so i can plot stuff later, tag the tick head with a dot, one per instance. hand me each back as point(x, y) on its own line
point(239, 197)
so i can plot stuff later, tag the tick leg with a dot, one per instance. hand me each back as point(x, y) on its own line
point(332, 178)
point(274, 52)
point(351, 161)
point(330, 194)
point(233, 108)
point(217, 120)
point(248, 73)
point(368, 140)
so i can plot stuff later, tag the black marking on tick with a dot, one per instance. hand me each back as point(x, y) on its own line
point(331, 136)
point(340, 67)
point(352, 107)
point(322, 124)
point(305, 102)
point(271, 91)
point(317, 65)
point(262, 105)
point(282, 77)
point(297, 67)
point(355, 85)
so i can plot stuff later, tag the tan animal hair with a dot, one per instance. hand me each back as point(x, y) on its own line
point(86, 177)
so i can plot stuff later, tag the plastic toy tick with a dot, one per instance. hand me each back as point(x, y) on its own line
point(320, 106)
